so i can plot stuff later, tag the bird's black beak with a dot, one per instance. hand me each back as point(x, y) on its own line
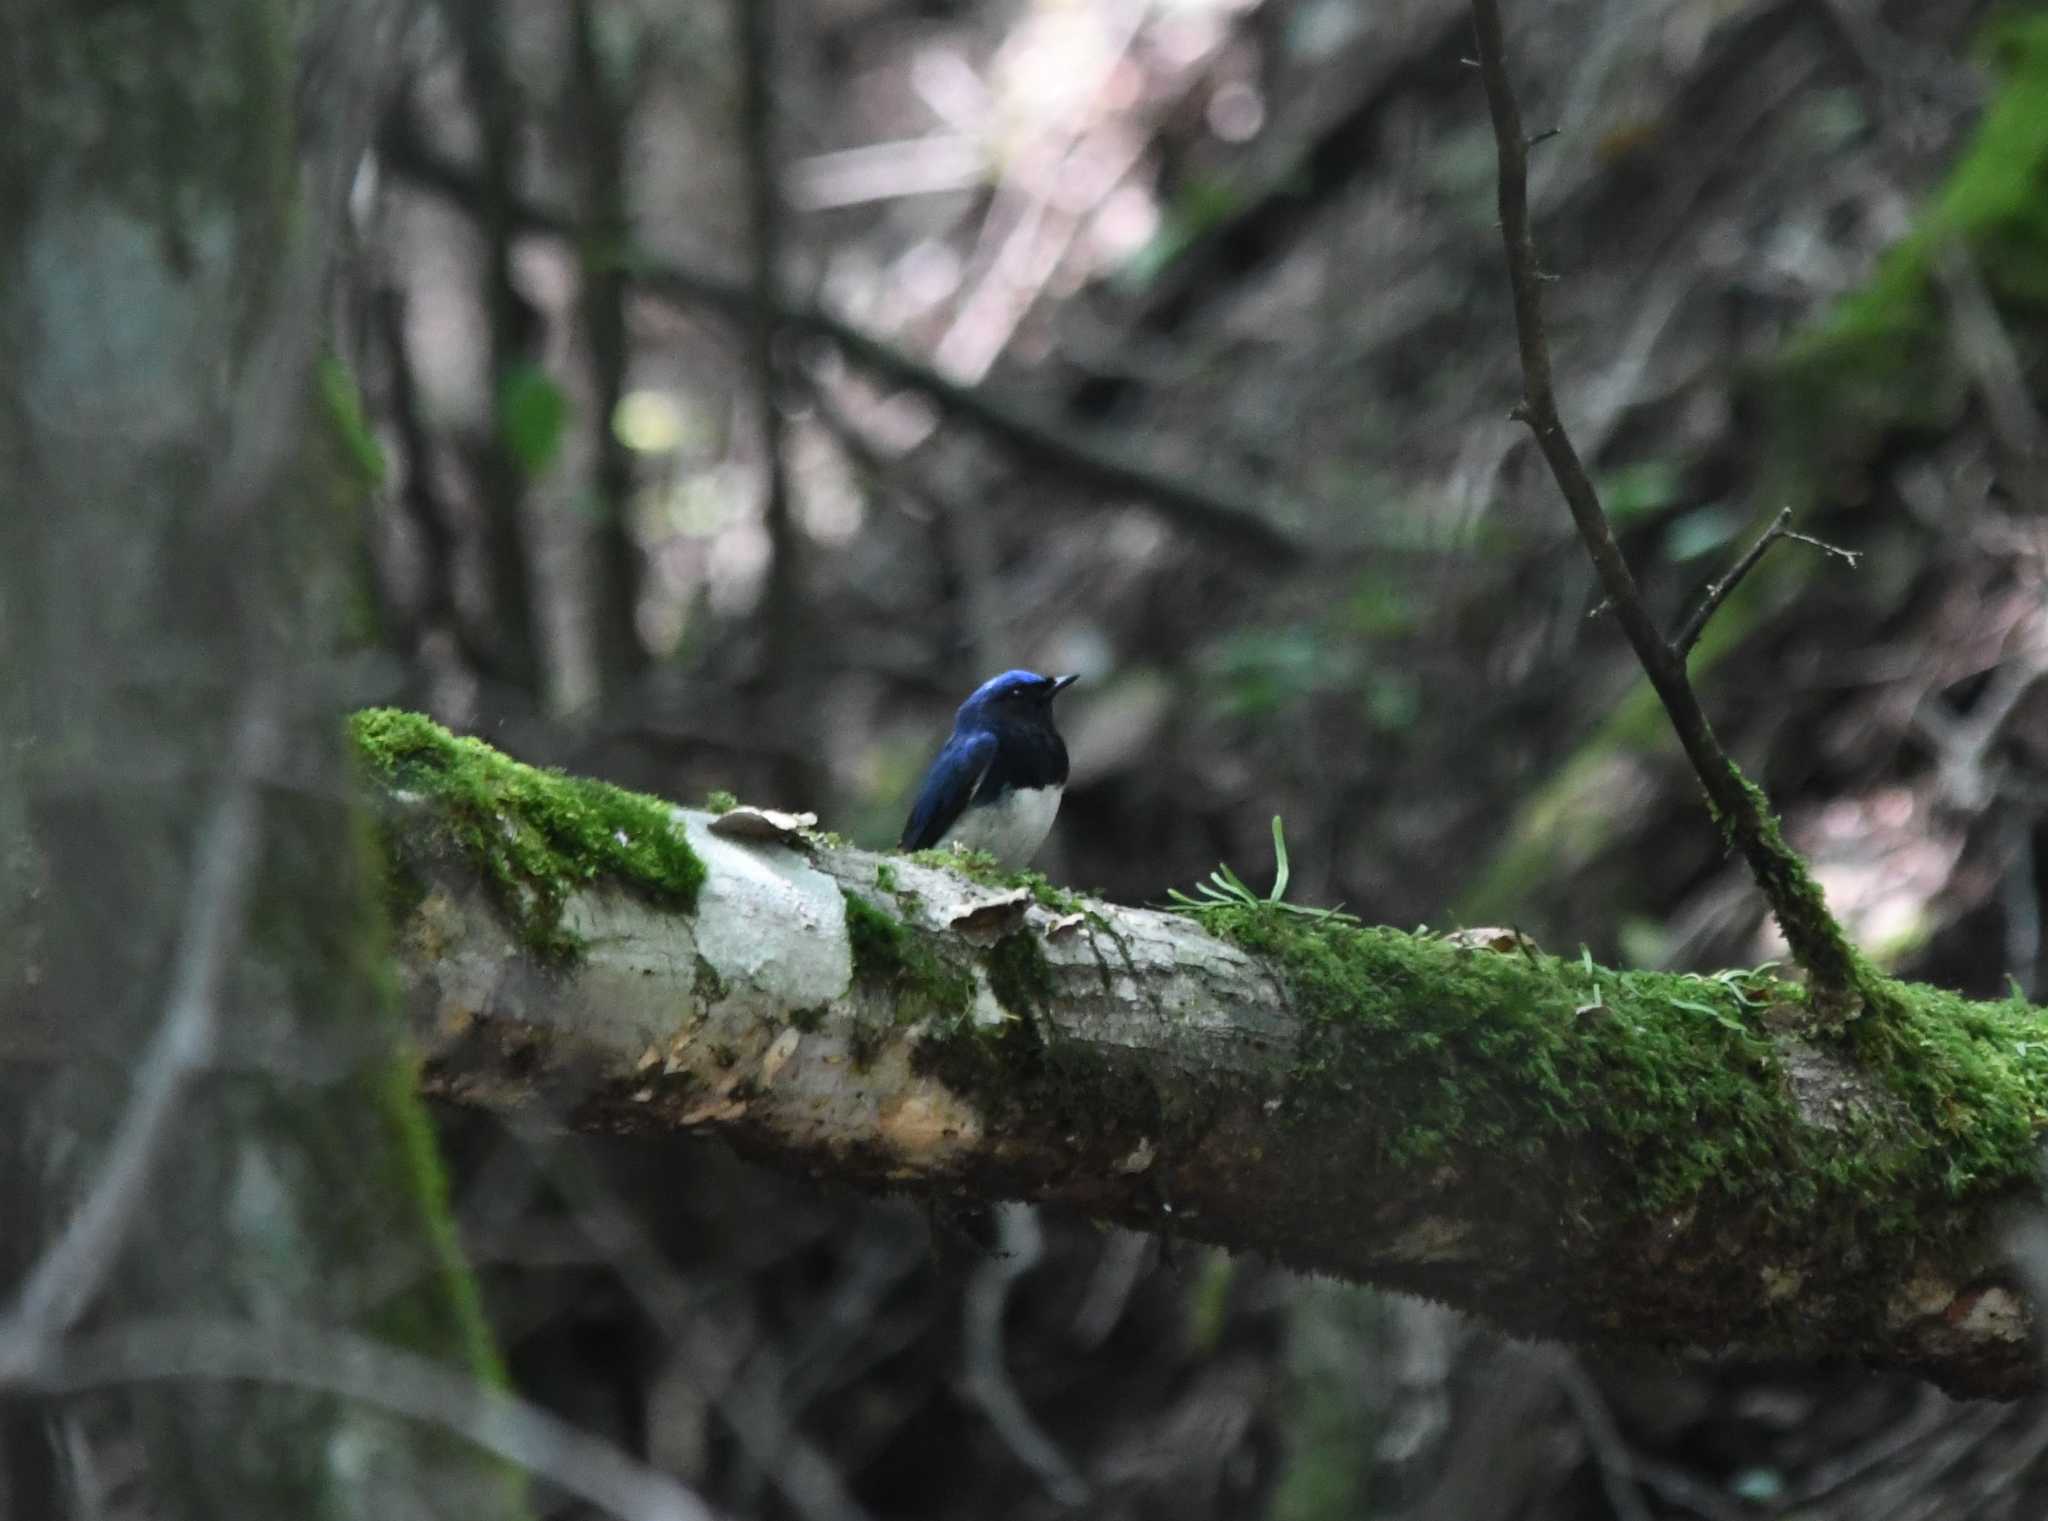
point(1060, 684)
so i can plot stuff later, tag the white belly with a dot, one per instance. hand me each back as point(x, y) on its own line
point(1010, 830)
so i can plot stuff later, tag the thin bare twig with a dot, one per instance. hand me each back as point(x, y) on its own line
point(1969, 778)
point(988, 1381)
point(1812, 933)
point(1610, 1451)
point(764, 1429)
point(1689, 632)
point(330, 1360)
point(1981, 341)
point(68, 1275)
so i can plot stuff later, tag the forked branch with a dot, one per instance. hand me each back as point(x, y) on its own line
point(1689, 631)
point(1814, 936)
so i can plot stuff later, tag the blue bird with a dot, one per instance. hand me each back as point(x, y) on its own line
point(996, 783)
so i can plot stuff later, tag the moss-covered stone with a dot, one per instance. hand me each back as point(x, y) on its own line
point(534, 836)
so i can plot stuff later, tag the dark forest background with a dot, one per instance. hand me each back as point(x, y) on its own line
point(740, 384)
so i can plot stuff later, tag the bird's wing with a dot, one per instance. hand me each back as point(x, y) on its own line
point(947, 787)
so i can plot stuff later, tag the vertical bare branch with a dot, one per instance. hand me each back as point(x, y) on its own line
point(512, 321)
point(988, 1382)
point(783, 606)
point(1814, 936)
point(599, 115)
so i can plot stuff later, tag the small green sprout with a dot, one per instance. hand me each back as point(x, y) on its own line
point(1719, 1016)
point(1225, 889)
point(1735, 981)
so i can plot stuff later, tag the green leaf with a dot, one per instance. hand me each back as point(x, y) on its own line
point(1702, 531)
point(1279, 862)
point(1635, 490)
point(531, 414)
point(343, 399)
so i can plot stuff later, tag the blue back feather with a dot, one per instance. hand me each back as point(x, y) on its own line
point(947, 787)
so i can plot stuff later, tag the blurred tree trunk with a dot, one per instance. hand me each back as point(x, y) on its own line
point(181, 856)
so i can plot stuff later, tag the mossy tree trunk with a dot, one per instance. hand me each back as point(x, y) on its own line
point(181, 851)
point(1608, 1157)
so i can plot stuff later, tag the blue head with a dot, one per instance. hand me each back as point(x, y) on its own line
point(1013, 700)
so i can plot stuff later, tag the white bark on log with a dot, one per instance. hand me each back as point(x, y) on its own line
point(1152, 1074)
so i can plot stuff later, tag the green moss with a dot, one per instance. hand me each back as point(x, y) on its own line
point(1668, 1081)
point(1018, 974)
point(718, 800)
point(892, 960)
point(980, 866)
point(1016, 1066)
point(444, 1314)
point(1973, 1071)
point(535, 836)
point(976, 864)
point(885, 877)
point(1801, 907)
point(348, 420)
